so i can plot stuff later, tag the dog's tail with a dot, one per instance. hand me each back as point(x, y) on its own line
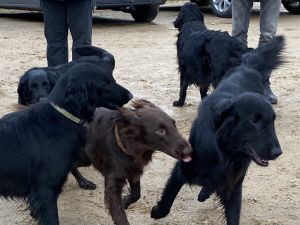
point(267, 57)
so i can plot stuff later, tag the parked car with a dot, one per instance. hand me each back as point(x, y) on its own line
point(140, 10)
point(222, 8)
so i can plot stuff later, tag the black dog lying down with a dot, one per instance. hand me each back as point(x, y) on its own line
point(203, 55)
point(36, 84)
point(235, 125)
point(39, 145)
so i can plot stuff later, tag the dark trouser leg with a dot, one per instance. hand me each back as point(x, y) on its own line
point(170, 192)
point(80, 22)
point(56, 32)
point(232, 205)
point(241, 13)
point(269, 16)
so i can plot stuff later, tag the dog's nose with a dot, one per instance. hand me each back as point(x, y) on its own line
point(275, 152)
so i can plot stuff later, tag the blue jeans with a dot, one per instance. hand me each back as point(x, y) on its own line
point(269, 15)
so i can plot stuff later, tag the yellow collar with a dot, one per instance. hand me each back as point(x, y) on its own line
point(69, 115)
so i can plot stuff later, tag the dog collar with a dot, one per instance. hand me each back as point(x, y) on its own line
point(119, 142)
point(69, 115)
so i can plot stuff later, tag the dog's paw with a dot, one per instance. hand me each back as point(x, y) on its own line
point(178, 103)
point(87, 185)
point(158, 214)
point(203, 196)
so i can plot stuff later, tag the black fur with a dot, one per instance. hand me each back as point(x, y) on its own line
point(203, 55)
point(235, 125)
point(36, 83)
point(39, 145)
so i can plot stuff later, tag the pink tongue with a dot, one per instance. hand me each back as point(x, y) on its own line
point(187, 159)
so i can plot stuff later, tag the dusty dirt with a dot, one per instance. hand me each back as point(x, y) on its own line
point(146, 64)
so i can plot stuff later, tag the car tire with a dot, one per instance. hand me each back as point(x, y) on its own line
point(293, 7)
point(221, 8)
point(145, 13)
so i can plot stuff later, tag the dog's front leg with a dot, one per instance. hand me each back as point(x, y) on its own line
point(173, 186)
point(135, 191)
point(232, 203)
point(113, 199)
point(182, 94)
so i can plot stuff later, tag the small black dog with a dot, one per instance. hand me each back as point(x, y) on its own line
point(36, 84)
point(203, 55)
point(235, 125)
point(39, 145)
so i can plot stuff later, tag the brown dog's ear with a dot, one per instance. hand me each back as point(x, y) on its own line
point(142, 103)
point(129, 116)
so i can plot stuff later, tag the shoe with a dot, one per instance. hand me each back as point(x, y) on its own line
point(270, 96)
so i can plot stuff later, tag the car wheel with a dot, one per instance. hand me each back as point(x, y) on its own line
point(292, 6)
point(221, 8)
point(145, 13)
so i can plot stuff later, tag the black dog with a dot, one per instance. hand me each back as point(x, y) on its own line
point(203, 55)
point(36, 84)
point(39, 145)
point(235, 125)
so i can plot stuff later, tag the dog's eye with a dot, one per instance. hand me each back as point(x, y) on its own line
point(161, 132)
point(256, 118)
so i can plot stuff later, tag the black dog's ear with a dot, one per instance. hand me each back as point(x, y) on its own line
point(23, 90)
point(224, 113)
point(86, 50)
point(53, 78)
point(77, 96)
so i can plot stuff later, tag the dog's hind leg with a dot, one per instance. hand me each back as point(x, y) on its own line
point(173, 186)
point(113, 199)
point(182, 94)
point(203, 91)
point(204, 194)
point(82, 181)
point(232, 204)
point(135, 192)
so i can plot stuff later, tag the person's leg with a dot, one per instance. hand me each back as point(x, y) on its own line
point(269, 16)
point(241, 13)
point(56, 32)
point(80, 22)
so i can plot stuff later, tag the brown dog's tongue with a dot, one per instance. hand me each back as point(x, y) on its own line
point(187, 159)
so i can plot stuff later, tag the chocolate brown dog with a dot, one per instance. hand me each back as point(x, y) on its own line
point(120, 143)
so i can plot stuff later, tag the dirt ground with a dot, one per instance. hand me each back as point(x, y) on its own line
point(146, 64)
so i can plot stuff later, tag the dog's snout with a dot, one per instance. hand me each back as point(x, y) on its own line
point(275, 152)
